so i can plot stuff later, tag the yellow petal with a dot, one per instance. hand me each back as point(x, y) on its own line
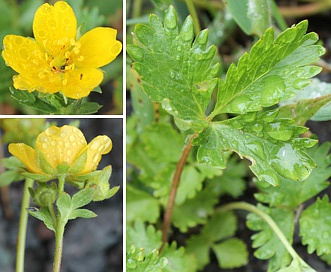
point(23, 55)
point(61, 145)
point(98, 47)
point(96, 148)
point(54, 27)
point(81, 81)
point(26, 155)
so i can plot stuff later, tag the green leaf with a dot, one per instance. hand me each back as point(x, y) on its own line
point(9, 176)
point(43, 215)
point(143, 107)
point(272, 71)
point(12, 163)
point(311, 103)
point(200, 248)
point(87, 108)
point(194, 211)
point(177, 259)
point(231, 253)
point(232, 181)
point(297, 266)
point(139, 261)
point(143, 237)
point(83, 213)
point(175, 70)
point(272, 145)
point(31, 100)
point(162, 142)
point(64, 205)
point(268, 244)
point(291, 194)
point(137, 203)
point(220, 226)
point(82, 198)
point(253, 16)
point(315, 226)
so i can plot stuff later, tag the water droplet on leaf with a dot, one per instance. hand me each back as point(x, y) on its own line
point(272, 91)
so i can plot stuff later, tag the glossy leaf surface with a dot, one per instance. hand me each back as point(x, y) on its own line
point(176, 70)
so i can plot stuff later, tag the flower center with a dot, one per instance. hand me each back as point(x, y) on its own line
point(61, 59)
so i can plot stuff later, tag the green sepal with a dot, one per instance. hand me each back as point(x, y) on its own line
point(79, 163)
point(37, 177)
point(43, 164)
point(62, 168)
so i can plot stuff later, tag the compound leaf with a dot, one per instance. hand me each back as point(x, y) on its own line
point(143, 237)
point(194, 211)
point(177, 259)
point(137, 203)
point(272, 145)
point(175, 70)
point(268, 244)
point(315, 226)
point(272, 71)
point(138, 261)
point(292, 194)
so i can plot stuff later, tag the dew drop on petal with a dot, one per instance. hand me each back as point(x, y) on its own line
point(45, 145)
point(95, 144)
point(69, 152)
point(53, 143)
point(72, 138)
point(62, 6)
point(95, 158)
point(50, 131)
point(18, 40)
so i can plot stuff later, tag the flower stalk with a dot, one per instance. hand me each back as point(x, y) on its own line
point(21, 238)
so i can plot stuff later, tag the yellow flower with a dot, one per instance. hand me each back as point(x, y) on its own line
point(62, 146)
point(54, 61)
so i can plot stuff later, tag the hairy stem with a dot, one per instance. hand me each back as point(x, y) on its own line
point(58, 245)
point(23, 226)
point(267, 219)
point(59, 230)
point(173, 190)
point(194, 15)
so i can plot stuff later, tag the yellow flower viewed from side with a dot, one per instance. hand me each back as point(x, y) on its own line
point(55, 61)
point(58, 146)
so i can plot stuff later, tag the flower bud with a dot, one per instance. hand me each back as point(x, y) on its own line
point(44, 195)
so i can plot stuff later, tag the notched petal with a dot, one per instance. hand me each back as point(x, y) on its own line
point(98, 47)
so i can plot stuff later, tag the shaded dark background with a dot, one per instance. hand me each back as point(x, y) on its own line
point(89, 244)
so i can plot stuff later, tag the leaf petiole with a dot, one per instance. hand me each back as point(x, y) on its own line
point(251, 208)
